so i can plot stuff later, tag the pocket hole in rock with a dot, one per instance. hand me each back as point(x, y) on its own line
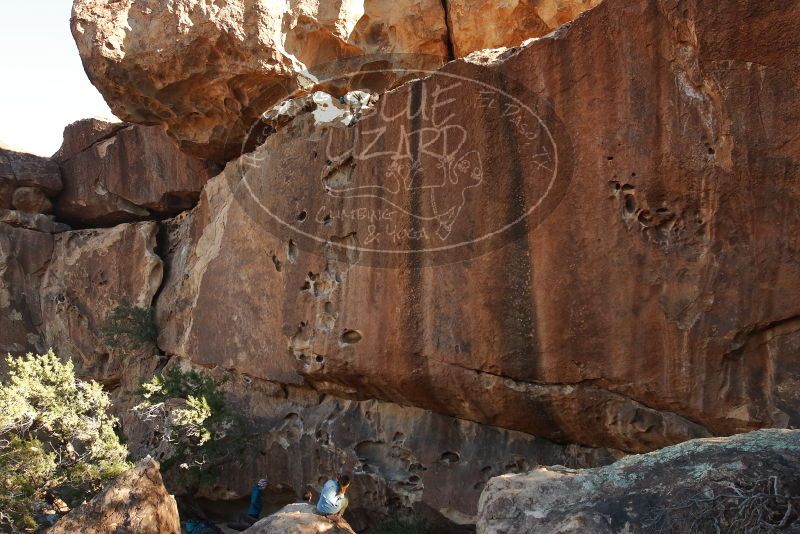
point(630, 204)
point(450, 457)
point(291, 251)
point(350, 337)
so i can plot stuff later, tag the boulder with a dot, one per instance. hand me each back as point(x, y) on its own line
point(119, 173)
point(300, 518)
point(221, 250)
point(135, 503)
point(737, 484)
point(31, 199)
point(555, 244)
point(92, 273)
point(27, 182)
point(21, 169)
point(84, 133)
point(478, 24)
point(207, 72)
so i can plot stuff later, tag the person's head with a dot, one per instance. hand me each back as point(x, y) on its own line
point(262, 483)
point(307, 496)
point(344, 482)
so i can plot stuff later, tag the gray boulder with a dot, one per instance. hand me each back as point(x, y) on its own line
point(744, 483)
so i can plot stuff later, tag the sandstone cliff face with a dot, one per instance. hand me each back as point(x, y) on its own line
point(640, 310)
point(207, 71)
point(90, 274)
point(738, 483)
point(24, 255)
point(115, 173)
point(27, 183)
point(135, 503)
point(537, 255)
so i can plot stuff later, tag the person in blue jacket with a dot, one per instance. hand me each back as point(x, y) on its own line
point(254, 511)
point(332, 502)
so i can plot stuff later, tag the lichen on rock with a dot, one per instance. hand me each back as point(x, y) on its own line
point(745, 481)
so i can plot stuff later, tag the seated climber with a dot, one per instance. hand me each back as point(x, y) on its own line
point(254, 511)
point(332, 502)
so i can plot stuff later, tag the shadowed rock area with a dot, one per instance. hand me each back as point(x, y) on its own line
point(401, 458)
point(732, 484)
point(24, 255)
point(27, 182)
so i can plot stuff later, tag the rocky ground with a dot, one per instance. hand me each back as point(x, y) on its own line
point(581, 246)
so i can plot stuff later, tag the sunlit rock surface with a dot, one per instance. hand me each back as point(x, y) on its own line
point(135, 503)
point(208, 70)
point(115, 173)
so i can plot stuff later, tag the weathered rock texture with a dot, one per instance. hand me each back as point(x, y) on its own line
point(32, 221)
point(64, 287)
point(135, 503)
point(401, 457)
point(207, 71)
point(657, 302)
point(298, 519)
point(653, 299)
point(730, 483)
point(27, 170)
point(82, 134)
point(27, 182)
point(116, 173)
point(24, 254)
point(91, 273)
point(478, 24)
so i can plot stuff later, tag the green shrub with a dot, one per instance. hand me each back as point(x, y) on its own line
point(56, 438)
point(131, 327)
point(192, 415)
